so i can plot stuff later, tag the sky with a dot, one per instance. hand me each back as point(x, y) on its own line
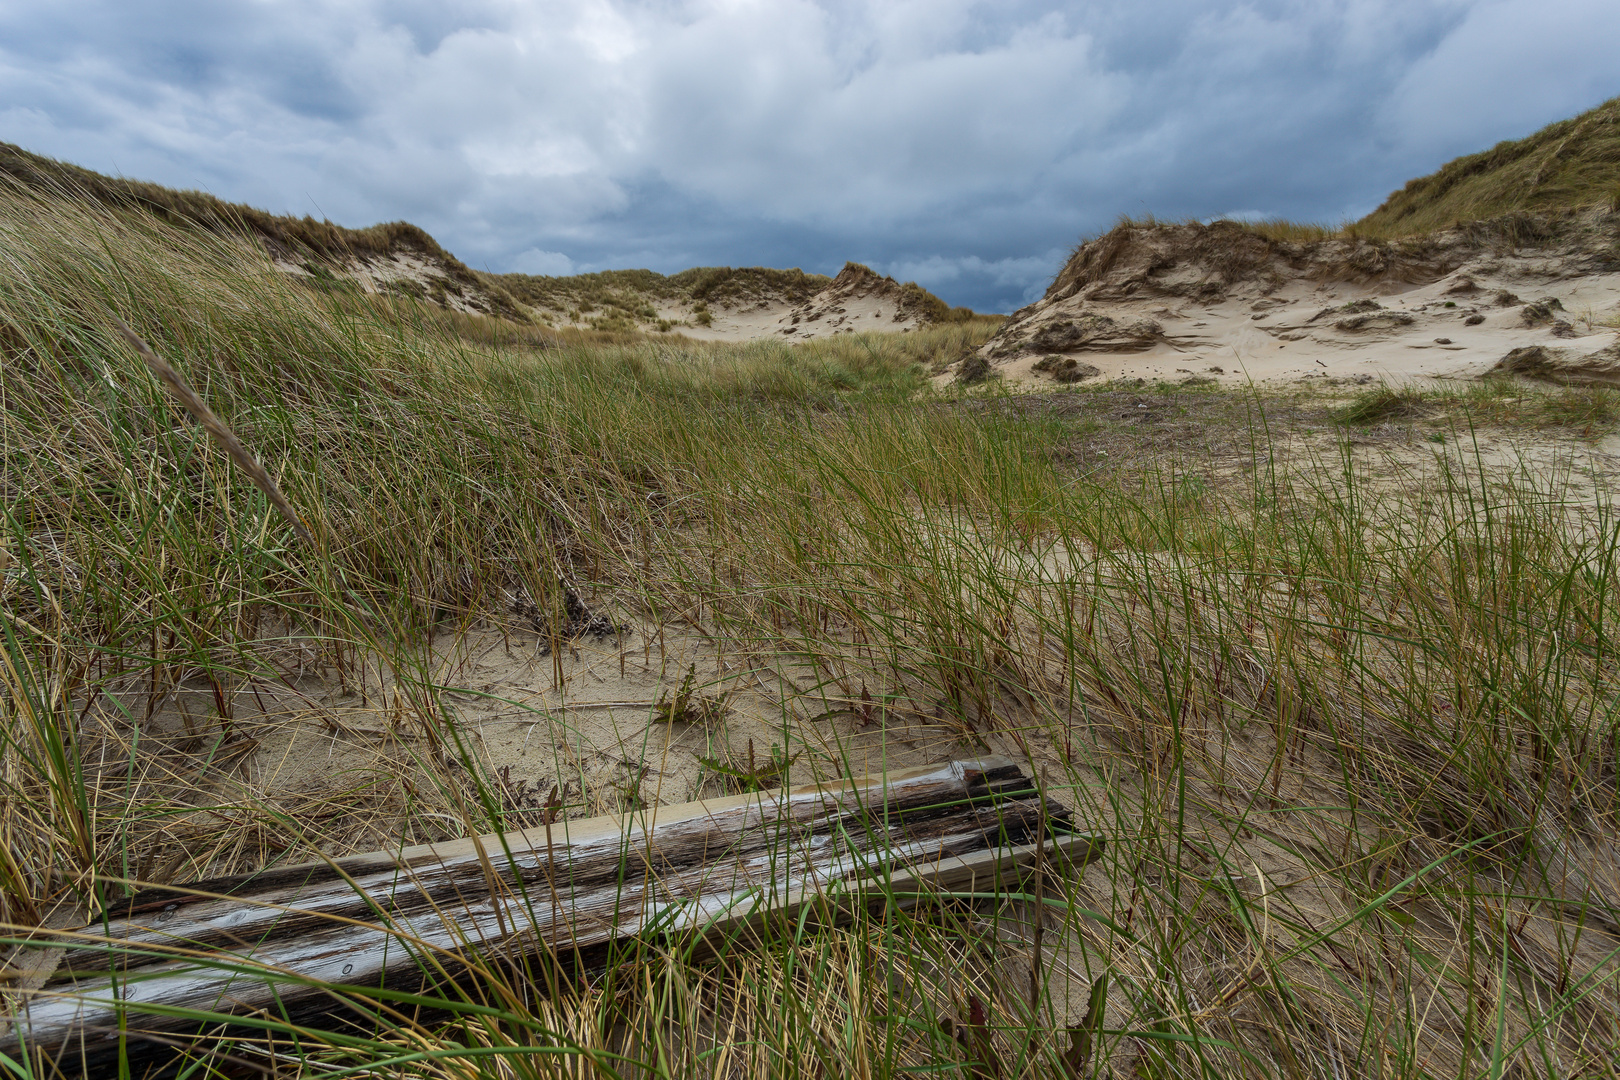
point(965, 145)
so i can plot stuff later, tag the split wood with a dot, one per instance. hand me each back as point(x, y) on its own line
point(285, 942)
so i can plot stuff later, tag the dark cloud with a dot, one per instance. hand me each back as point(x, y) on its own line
point(966, 144)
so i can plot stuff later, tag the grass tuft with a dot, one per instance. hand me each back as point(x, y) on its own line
point(1383, 403)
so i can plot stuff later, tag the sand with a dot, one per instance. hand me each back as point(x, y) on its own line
point(403, 272)
point(1200, 304)
point(344, 755)
point(1285, 338)
point(341, 753)
point(788, 322)
point(856, 301)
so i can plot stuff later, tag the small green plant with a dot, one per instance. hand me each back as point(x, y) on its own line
point(1088, 1033)
point(750, 774)
point(688, 706)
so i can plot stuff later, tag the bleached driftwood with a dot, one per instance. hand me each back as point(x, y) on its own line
point(272, 944)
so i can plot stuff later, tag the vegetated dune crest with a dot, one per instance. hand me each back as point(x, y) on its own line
point(1571, 163)
point(1227, 302)
point(1506, 261)
point(395, 256)
point(726, 304)
point(715, 303)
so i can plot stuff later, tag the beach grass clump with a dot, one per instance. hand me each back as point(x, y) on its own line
point(1277, 229)
point(1350, 738)
point(1382, 403)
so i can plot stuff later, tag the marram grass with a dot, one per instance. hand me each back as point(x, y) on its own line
point(1353, 743)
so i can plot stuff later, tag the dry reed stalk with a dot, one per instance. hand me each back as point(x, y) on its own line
point(217, 429)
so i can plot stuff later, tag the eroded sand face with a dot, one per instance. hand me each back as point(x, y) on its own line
point(857, 300)
point(1302, 331)
point(407, 272)
point(1226, 303)
point(789, 322)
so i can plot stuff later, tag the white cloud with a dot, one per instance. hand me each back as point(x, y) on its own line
point(543, 263)
point(768, 107)
point(966, 140)
point(1507, 69)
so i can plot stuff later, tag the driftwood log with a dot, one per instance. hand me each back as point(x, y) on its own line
point(281, 944)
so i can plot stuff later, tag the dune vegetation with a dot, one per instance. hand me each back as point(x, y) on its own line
point(633, 293)
point(1565, 167)
point(609, 301)
point(1351, 741)
point(1568, 164)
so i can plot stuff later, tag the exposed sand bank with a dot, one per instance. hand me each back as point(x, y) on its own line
point(857, 300)
point(1187, 303)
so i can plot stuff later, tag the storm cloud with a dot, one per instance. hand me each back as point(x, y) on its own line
point(965, 145)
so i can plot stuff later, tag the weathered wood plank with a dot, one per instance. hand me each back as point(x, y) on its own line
point(267, 942)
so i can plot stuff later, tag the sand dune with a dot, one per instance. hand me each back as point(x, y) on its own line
point(1197, 303)
point(858, 299)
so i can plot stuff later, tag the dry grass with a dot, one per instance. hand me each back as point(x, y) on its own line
point(1569, 165)
point(628, 299)
point(200, 209)
point(612, 302)
point(1354, 747)
point(1297, 232)
point(1572, 163)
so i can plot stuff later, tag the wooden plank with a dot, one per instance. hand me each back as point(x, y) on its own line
point(713, 868)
